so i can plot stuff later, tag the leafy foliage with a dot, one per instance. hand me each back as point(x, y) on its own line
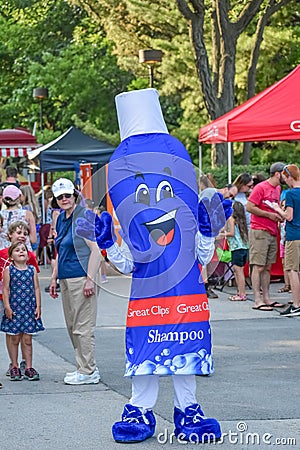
point(55, 45)
point(201, 34)
point(86, 51)
point(220, 174)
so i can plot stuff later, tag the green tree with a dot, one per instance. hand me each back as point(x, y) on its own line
point(204, 43)
point(55, 45)
point(76, 50)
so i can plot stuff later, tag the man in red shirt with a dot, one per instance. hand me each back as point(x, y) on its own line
point(263, 235)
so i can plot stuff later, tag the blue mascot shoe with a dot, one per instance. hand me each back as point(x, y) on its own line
point(193, 426)
point(135, 426)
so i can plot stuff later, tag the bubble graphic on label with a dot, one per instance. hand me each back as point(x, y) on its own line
point(157, 358)
point(209, 360)
point(146, 368)
point(179, 361)
point(192, 364)
point(205, 367)
point(165, 352)
point(130, 351)
point(162, 370)
point(168, 362)
point(130, 369)
point(202, 353)
point(192, 357)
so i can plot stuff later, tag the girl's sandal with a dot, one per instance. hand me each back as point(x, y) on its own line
point(238, 298)
point(284, 289)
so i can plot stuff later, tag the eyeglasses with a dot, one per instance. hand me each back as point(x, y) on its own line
point(60, 197)
point(285, 169)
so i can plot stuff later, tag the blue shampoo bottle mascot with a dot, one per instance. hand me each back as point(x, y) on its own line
point(166, 233)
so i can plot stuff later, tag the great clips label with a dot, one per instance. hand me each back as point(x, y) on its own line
point(168, 310)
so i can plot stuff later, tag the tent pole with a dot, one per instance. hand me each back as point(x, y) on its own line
point(43, 198)
point(43, 213)
point(229, 163)
point(200, 160)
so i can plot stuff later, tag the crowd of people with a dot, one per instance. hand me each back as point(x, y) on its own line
point(24, 234)
point(170, 233)
point(262, 215)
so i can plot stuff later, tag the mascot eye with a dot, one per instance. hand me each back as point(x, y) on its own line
point(142, 194)
point(164, 190)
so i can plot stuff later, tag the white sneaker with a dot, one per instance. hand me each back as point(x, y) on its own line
point(70, 374)
point(80, 378)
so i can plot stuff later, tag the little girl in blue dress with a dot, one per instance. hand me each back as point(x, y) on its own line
point(22, 309)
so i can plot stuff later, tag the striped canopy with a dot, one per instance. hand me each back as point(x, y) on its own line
point(16, 143)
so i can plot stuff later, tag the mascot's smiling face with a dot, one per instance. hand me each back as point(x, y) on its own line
point(153, 188)
point(162, 228)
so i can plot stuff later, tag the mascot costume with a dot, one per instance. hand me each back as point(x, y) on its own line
point(166, 232)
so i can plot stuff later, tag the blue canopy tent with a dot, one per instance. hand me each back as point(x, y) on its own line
point(70, 150)
point(71, 147)
point(67, 152)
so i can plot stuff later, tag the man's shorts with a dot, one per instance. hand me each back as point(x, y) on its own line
point(263, 248)
point(239, 257)
point(292, 256)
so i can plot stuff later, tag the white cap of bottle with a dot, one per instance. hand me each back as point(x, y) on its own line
point(139, 112)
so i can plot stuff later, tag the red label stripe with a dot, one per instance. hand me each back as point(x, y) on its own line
point(167, 310)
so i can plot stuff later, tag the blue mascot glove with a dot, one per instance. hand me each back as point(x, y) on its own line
point(213, 213)
point(104, 230)
point(95, 228)
point(85, 227)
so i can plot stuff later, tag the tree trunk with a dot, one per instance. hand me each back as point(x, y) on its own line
point(246, 158)
point(271, 8)
point(219, 155)
point(127, 22)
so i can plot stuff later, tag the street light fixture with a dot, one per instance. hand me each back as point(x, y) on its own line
point(150, 58)
point(40, 94)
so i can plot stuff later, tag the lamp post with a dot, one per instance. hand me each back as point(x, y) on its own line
point(40, 94)
point(150, 58)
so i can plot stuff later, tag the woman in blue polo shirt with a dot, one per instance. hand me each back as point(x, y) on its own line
point(76, 266)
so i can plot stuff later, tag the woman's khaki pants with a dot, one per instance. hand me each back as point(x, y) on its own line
point(80, 316)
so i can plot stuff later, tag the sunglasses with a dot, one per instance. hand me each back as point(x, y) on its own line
point(60, 197)
point(249, 185)
point(285, 169)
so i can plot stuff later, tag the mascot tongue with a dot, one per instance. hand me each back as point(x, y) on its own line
point(162, 238)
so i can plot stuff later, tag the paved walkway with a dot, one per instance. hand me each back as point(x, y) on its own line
point(254, 391)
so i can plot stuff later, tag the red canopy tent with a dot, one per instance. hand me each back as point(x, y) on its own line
point(271, 115)
point(16, 142)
